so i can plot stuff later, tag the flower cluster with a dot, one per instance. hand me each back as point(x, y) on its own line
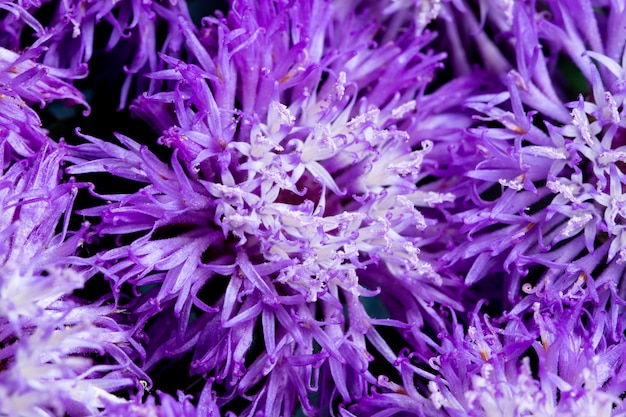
point(354, 208)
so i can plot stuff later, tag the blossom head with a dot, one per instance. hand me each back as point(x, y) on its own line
point(50, 337)
point(292, 187)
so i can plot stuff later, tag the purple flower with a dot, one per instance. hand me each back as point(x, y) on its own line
point(577, 371)
point(49, 338)
point(292, 182)
point(544, 174)
point(538, 232)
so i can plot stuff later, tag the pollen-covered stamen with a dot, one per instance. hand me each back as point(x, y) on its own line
point(516, 184)
point(543, 331)
point(581, 122)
